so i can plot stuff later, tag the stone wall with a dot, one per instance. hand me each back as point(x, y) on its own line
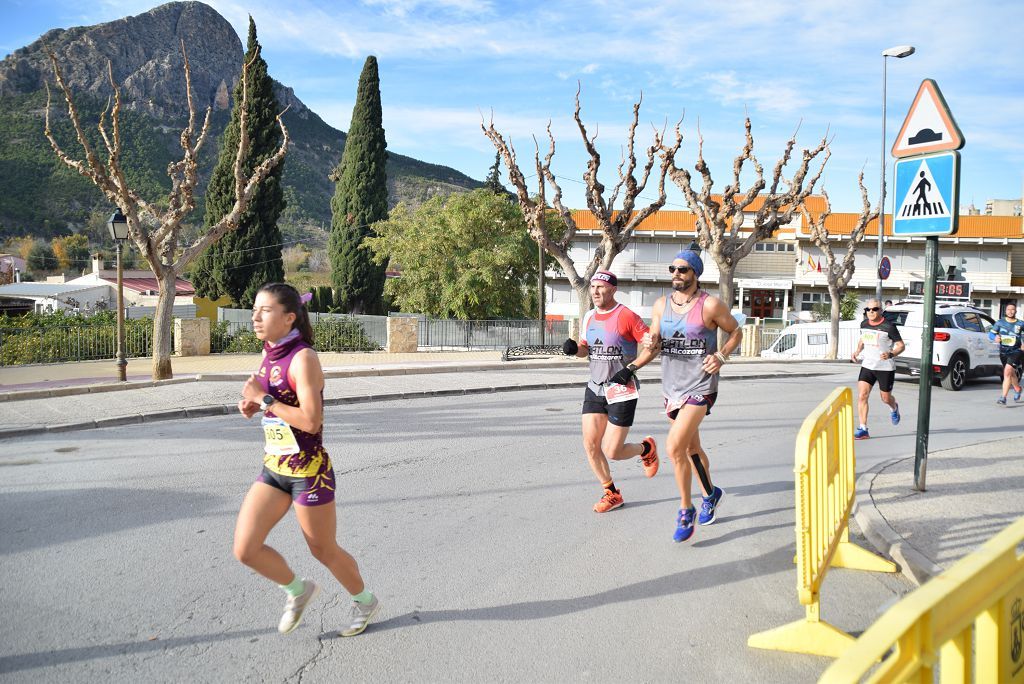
point(403, 334)
point(192, 336)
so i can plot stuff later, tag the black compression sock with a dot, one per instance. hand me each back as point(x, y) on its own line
point(702, 474)
point(610, 486)
point(645, 448)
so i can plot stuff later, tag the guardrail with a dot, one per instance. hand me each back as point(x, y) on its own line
point(825, 477)
point(971, 617)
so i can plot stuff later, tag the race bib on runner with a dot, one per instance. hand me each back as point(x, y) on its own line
point(869, 338)
point(1008, 340)
point(279, 438)
point(616, 394)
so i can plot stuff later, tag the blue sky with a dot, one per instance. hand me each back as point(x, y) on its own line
point(817, 65)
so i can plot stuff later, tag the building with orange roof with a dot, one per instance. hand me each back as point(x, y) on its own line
point(781, 277)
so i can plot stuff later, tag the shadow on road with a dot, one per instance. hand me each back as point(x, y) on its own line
point(32, 520)
point(28, 661)
point(681, 582)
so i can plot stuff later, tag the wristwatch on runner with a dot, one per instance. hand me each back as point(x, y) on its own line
point(266, 402)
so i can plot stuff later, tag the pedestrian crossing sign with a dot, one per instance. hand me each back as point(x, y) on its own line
point(926, 201)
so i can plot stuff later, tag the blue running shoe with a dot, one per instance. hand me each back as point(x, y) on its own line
point(896, 415)
point(684, 524)
point(1016, 393)
point(1001, 401)
point(861, 433)
point(710, 505)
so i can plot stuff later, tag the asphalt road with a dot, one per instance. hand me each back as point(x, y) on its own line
point(471, 518)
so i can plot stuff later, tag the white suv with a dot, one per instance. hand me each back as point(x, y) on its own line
point(961, 347)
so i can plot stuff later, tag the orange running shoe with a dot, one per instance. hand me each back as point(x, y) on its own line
point(650, 461)
point(609, 502)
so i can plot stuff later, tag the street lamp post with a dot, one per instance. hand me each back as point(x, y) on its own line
point(899, 52)
point(118, 226)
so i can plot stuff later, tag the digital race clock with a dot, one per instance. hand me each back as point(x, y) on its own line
point(944, 289)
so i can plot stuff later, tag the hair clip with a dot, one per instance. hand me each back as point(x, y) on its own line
point(306, 298)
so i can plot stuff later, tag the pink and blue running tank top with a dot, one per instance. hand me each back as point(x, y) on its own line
point(273, 377)
point(685, 342)
point(609, 350)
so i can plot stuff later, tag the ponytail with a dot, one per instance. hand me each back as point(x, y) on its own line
point(288, 297)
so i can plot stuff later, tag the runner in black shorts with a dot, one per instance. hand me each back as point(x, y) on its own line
point(880, 340)
point(297, 473)
point(1008, 333)
point(608, 337)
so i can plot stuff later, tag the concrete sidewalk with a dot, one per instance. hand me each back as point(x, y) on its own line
point(14, 378)
point(972, 493)
point(60, 408)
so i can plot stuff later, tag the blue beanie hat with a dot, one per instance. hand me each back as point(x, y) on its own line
point(691, 257)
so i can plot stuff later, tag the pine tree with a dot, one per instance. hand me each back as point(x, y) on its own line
point(360, 199)
point(250, 256)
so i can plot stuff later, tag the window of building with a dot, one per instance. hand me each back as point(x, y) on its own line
point(650, 295)
point(809, 299)
point(774, 247)
point(983, 304)
point(646, 252)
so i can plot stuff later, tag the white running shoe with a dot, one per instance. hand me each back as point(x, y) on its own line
point(295, 606)
point(362, 613)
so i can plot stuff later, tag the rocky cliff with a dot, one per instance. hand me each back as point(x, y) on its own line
point(145, 55)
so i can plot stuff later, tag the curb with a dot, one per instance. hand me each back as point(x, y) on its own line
point(913, 564)
point(227, 409)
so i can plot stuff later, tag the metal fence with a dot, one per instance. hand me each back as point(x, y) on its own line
point(332, 332)
point(496, 334)
point(56, 344)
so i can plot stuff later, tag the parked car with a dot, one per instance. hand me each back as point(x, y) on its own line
point(961, 348)
point(811, 341)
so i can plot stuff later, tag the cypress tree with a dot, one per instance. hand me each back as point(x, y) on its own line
point(493, 180)
point(249, 256)
point(360, 199)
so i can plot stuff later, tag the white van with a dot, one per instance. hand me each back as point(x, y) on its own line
point(811, 341)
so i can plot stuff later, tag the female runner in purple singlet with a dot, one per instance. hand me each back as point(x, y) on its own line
point(288, 389)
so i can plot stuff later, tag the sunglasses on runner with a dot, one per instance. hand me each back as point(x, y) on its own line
point(681, 270)
point(872, 308)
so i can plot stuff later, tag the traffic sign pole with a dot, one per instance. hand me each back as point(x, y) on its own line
point(924, 399)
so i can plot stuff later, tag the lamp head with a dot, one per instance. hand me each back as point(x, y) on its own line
point(118, 225)
point(900, 51)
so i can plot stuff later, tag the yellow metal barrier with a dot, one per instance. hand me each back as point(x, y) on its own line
point(971, 616)
point(825, 470)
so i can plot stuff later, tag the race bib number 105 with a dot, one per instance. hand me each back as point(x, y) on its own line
point(279, 438)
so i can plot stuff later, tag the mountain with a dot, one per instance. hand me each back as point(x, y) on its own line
point(42, 197)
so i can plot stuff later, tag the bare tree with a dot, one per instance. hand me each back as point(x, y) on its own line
point(617, 225)
point(838, 274)
point(155, 230)
point(720, 218)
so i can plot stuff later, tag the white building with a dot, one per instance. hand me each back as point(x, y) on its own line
point(780, 278)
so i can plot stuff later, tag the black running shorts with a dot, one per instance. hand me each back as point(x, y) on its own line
point(885, 379)
point(620, 414)
point(1014, 359)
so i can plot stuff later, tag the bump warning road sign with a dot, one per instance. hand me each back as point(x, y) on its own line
point(927, 195)
point(929, 126)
